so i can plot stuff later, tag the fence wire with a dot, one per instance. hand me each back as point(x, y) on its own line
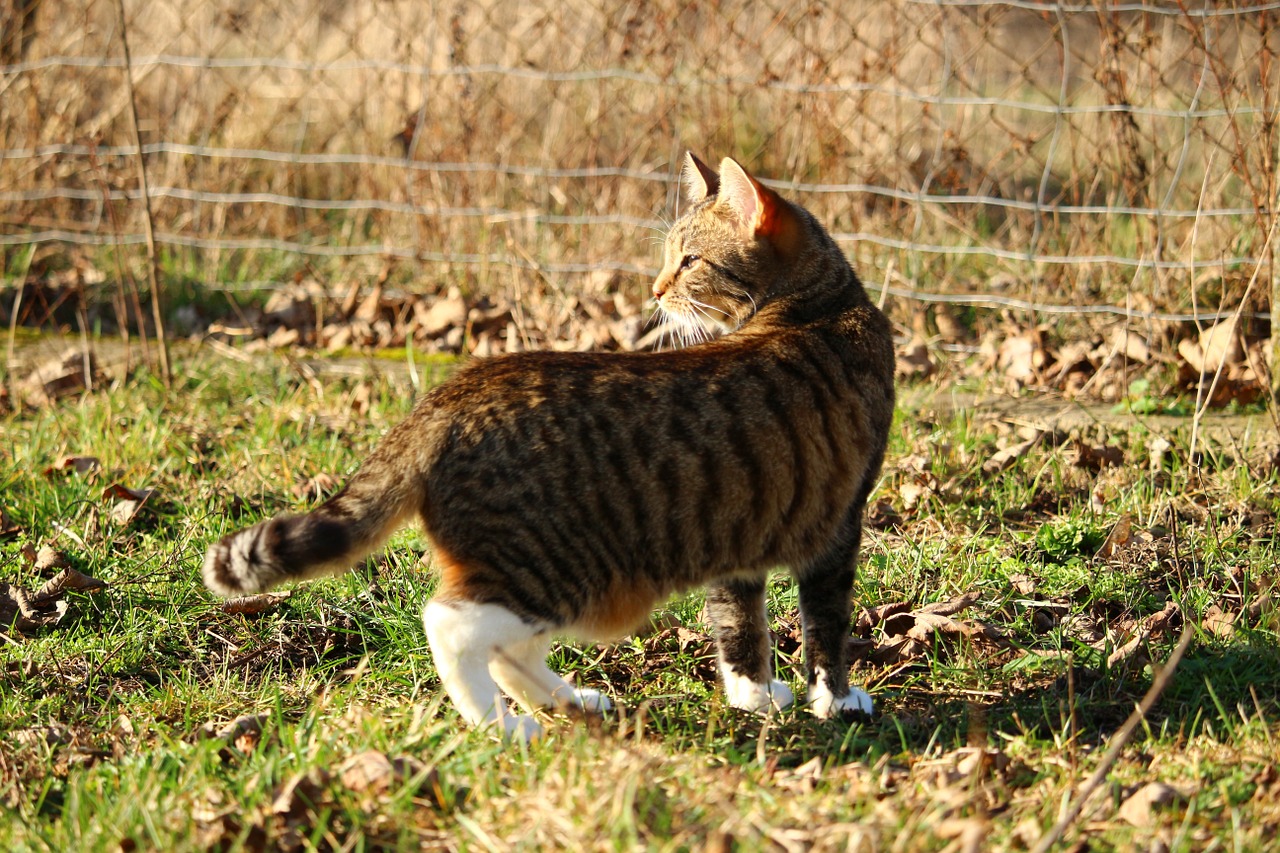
point(1097, 158)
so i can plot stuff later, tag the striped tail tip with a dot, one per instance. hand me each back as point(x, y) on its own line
point(238, 564)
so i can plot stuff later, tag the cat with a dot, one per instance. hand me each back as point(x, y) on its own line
point(569, 493)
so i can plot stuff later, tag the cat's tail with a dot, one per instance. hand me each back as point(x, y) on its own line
point(325, 541)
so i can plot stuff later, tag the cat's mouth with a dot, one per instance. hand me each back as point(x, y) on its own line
point(687, 321)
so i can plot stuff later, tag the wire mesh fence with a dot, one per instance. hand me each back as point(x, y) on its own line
point(1111, 157)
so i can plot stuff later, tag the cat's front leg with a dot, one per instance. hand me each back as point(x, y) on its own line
point(826, 588)
point(741, 626)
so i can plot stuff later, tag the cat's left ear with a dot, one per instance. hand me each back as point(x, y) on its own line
point(759, 208)
point(699, 181)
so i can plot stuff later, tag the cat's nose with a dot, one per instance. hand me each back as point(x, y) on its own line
point(660, 287)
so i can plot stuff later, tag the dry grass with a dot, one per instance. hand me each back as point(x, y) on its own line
point(464, 120)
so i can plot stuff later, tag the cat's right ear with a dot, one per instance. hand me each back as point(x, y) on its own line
point(698, 179)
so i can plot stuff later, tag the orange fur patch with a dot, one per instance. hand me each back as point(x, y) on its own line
point(626, 606)
point(454, 577)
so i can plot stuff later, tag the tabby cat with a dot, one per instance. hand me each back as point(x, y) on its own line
point(568, 493)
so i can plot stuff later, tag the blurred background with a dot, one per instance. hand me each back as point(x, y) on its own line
point(991, 168)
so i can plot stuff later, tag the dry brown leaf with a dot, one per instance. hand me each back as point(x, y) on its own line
point(914, 490)
point(18, 613)
point(1133, 654)
point(914, 360)
point(283, 337)
point(1098, 456)
point(305, 792)
point(248, 605)
point(47, 558)
point(67, 579)
point(1024, 584)
point(929, 625)
point(1002, 459)
point(1258, 606)
point(1121, 535)
point(374, 772)
point(316, 488)
point(69, 373)
point(244, 733)
point(1219, 622)
point(1021, 357)
point(1217, 346)
point(871, 617)
point(955, 605)
point(74, 464)
point(898, 651)
point(1131, 345)
point(967, 834)
point(293, 306)
point(1141, 806)
point(445, 313)
point(128, 501)
point(881, 515)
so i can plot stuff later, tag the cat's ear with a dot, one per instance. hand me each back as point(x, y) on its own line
point(699, 181)
point(759, 208)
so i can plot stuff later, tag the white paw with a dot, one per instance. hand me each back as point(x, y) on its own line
point(824, 705)
point(591, 700)
point(520, 728)
point(753, 696)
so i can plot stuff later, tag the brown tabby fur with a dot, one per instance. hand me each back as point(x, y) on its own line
point(578, 490)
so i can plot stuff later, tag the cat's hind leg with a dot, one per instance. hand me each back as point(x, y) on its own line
point(741, 626)
point(522, 672)
point(466, 639)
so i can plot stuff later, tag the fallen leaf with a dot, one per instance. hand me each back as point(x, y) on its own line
point(248, 605)
point(1021, 356)
point(47, 558)
point(73, 371)
point(1141, 806)
point(914, 361)
point(316, 488)
point(1097, 456)
point(1219, 622)
point(74, 464)
point(1133, 654)
point(447, 312)
point(955, 605)
point(898, 651)
point(1131, 345)
point(1121, 535)
point(304, 792)
point(881, 515)
point(128, 501)
point(871, 617)
point(67, 579)
point(1216, 346)
point(244, 733)
point(1024, 584)
point(374, 772)
point(915, 490)
point(1002, 459)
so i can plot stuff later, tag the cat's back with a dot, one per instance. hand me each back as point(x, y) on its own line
point(735, 454)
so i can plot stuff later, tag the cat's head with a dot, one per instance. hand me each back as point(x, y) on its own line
point(726, 256)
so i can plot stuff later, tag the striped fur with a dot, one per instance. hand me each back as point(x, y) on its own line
point(578, 490)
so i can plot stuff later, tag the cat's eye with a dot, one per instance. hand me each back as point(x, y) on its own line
point(688, 261)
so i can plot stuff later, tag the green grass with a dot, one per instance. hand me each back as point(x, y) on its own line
point(101, 716)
